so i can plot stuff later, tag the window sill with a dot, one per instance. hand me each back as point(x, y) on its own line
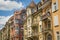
point(55, 11)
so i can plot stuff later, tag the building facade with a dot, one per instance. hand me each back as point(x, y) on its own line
point(42, 21)
point(0, 35)
point(56, 19)
point(5, 32)
point(47, 29)
point(13, 29)
point(33, 23)
point(19, 17)
point(37, 22)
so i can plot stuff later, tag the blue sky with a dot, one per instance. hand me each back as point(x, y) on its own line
point(7, 8)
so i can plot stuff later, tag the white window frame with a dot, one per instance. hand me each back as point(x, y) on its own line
point(56, 21)
point(55, 5)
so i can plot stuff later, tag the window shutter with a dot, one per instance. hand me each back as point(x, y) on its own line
point(56, 21)
point(53, 7)
point(56, 4)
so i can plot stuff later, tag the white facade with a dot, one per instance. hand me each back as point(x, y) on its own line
point(29, 21)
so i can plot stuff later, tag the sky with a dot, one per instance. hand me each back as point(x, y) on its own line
point(7, 8)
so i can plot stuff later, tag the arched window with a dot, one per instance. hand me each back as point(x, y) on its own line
point(49, 37)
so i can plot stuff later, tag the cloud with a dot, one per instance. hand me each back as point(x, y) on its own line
point(10, 5)
point(4, 19)
point(1, 26)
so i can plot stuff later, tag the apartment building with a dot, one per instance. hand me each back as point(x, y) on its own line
point(50, 19)
point(56, 19)
point(13, 29)
point(0, 35)
point(5, 34)
point(19, 17)
point(42, 21)
point(37, 22)
point(11, 24)
point(47, 29)
point(25, 30)
point(32, 25)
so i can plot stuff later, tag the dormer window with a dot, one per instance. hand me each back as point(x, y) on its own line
point(33, 10)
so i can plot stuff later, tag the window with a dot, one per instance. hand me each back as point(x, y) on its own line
point(28, 12)
point(58, 36)
point(49, 24)
point(17, 30)
point(40, 28)
point(55, 6)
point(56, 21)
point(16, 21)
point(49, 37)
point(21, 22)
point(32, 10)
point(24, 17)
point(28, 21)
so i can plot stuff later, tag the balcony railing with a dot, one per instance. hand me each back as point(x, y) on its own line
point(12, 26)
point(45, 4)
point(34, 33)
point(45, 30)
point(46, 15)
point(35, 23)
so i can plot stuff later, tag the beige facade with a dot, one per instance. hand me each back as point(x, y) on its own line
point(56, 19)
point(43, 23)
point(5, 35)
point(0, 35)
point(32, 28)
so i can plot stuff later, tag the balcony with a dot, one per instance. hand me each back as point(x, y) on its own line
point(45, 30)
point(12, 25)
point(45, 4)
point(46, 15)
point(34, 33)
point(34, 24)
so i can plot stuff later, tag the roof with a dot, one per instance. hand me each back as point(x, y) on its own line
point(32, 4)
